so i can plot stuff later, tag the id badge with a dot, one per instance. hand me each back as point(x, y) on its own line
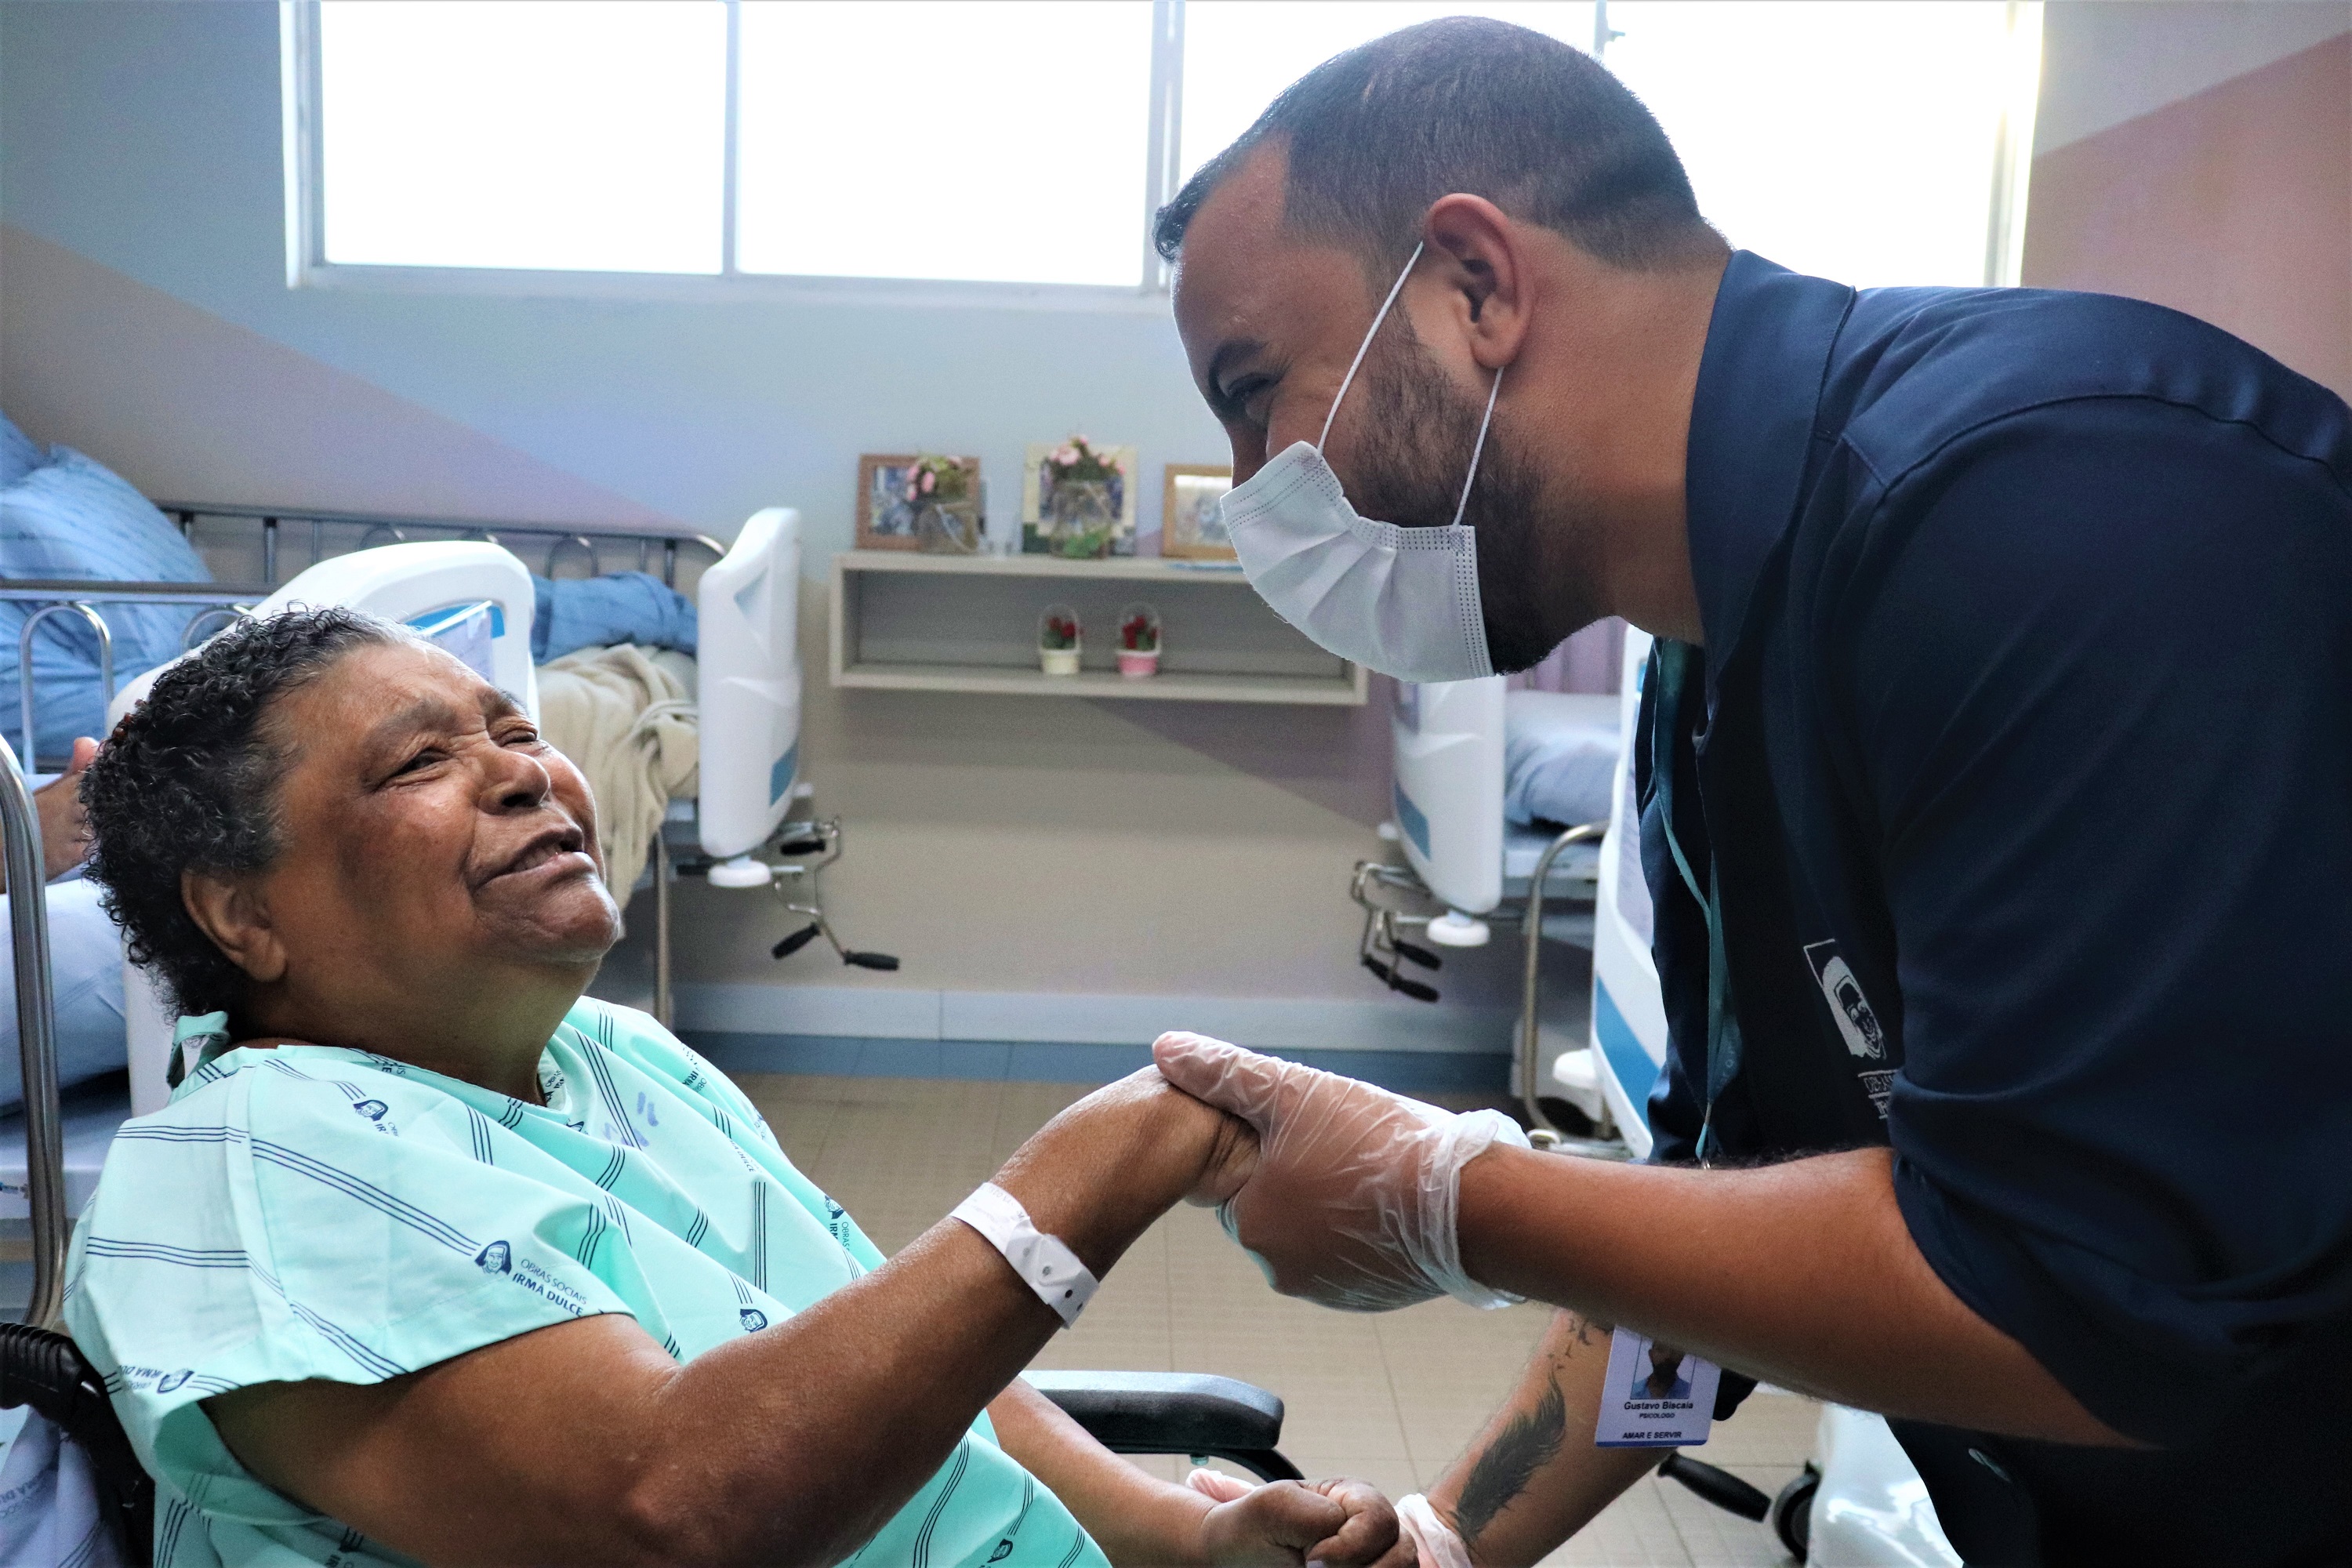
point(1654, 1397)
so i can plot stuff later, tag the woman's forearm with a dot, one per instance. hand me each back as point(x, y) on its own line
point(1802, 1273)
point(834, 1424)
point(877, 1384)
point(1139, 1521)
point(789, 1445)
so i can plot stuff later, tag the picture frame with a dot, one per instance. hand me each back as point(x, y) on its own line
point(1037, 496)
point(886, 519)
point(1185, 489)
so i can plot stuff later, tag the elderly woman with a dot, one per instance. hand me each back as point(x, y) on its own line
point(432, 1260)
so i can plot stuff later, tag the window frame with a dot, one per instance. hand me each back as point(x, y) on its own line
point(308, 267)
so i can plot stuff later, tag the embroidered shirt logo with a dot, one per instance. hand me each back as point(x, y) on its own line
point(1848, 1006)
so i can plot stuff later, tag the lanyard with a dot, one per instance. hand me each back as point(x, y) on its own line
point(1671, 671)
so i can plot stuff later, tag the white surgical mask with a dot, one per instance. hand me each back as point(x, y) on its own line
point(1403, 601)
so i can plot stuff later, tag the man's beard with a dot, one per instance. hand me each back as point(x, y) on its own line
point(1531, 591)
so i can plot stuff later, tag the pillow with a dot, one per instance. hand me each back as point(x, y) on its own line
point(19, 453)
point(1559, 756)
point(74, 517)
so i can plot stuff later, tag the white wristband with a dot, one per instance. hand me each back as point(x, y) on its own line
point(1045, 1264)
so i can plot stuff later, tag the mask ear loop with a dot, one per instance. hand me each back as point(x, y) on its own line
point(1366, 347)
point(1471, 477)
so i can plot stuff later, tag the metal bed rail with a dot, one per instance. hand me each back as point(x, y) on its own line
point(82, 597)
point(1384, 949)
point(377, 528)
point(1530, 1043)
point(226, 600)
point(36, 1035)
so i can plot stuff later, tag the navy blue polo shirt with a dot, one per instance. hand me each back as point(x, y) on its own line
point(2024, 766)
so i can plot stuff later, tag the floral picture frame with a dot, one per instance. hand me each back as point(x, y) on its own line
point(886, 513)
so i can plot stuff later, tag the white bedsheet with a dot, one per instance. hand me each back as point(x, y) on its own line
point(626, 717)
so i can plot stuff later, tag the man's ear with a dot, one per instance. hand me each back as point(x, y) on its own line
point(231, 912)
point(1486, 271)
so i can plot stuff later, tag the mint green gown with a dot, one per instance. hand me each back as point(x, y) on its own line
point(318, 1212)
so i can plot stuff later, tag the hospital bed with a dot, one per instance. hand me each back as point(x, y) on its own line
point(1190, 1413)
point(1467, 868)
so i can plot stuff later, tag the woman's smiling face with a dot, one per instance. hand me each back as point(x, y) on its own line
point(427, 837)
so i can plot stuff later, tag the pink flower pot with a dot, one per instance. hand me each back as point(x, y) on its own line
point(1138, 666)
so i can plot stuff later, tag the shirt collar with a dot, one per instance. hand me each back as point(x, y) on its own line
point(208, 1033)
point(1752, 425)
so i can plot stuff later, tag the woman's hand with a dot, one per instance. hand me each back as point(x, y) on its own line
point(1110, 1164)
point(1340, 1524)
point(65, 826)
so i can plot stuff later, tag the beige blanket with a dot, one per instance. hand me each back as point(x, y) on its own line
point(625, 717)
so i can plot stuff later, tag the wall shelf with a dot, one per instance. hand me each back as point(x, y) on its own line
point(908, 622)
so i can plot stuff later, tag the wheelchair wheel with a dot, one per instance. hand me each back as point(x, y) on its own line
point(1792, 1513)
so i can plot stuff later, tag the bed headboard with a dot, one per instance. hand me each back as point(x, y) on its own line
point(1448, 739)
point(749, 691)
point(473, 598)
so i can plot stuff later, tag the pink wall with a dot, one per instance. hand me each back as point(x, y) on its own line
point(188, 407)
point(2233, 205)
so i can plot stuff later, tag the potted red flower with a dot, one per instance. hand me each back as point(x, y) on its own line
point(1060, 640)
point(1139, 642)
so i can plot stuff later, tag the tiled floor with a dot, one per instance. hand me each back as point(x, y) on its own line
point(1391, 1398)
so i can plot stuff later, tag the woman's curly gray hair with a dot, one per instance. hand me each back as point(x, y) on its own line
point(189, 780)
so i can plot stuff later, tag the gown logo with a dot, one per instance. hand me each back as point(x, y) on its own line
point(494, 1258)
point(754, 1318)
point(172, 1380)
point(373, 1110)
point(1865, 1036)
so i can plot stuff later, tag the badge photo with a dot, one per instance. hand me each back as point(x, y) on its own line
point(1654, 1397)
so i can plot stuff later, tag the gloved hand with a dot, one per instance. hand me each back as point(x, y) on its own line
point(1434, 1544)
point(1352, 1201)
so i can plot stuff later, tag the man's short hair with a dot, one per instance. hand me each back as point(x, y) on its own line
point(1466, 104)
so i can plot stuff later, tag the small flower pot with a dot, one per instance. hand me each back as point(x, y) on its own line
point(1060, 639)
point(1138, 666)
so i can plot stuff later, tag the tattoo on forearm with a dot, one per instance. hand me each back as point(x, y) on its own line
point(1527, 1443)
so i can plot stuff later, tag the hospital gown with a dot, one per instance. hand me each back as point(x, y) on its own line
point(319, 1212)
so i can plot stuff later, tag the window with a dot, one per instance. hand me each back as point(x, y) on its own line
point(981, 144)
point(1861, 142)
point(997, 143)
point(1238, 54)
point(523, 133)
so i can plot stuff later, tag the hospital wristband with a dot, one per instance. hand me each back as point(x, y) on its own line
point(1043, 1262)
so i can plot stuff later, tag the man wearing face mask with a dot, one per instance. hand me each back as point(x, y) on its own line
point(1996, 776)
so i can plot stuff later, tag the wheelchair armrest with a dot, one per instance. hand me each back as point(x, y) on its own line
point(1173, 1413)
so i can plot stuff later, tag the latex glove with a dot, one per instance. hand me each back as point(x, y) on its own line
point(1353, 1198)
point(1434, 1544)
point(1336, 1523)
